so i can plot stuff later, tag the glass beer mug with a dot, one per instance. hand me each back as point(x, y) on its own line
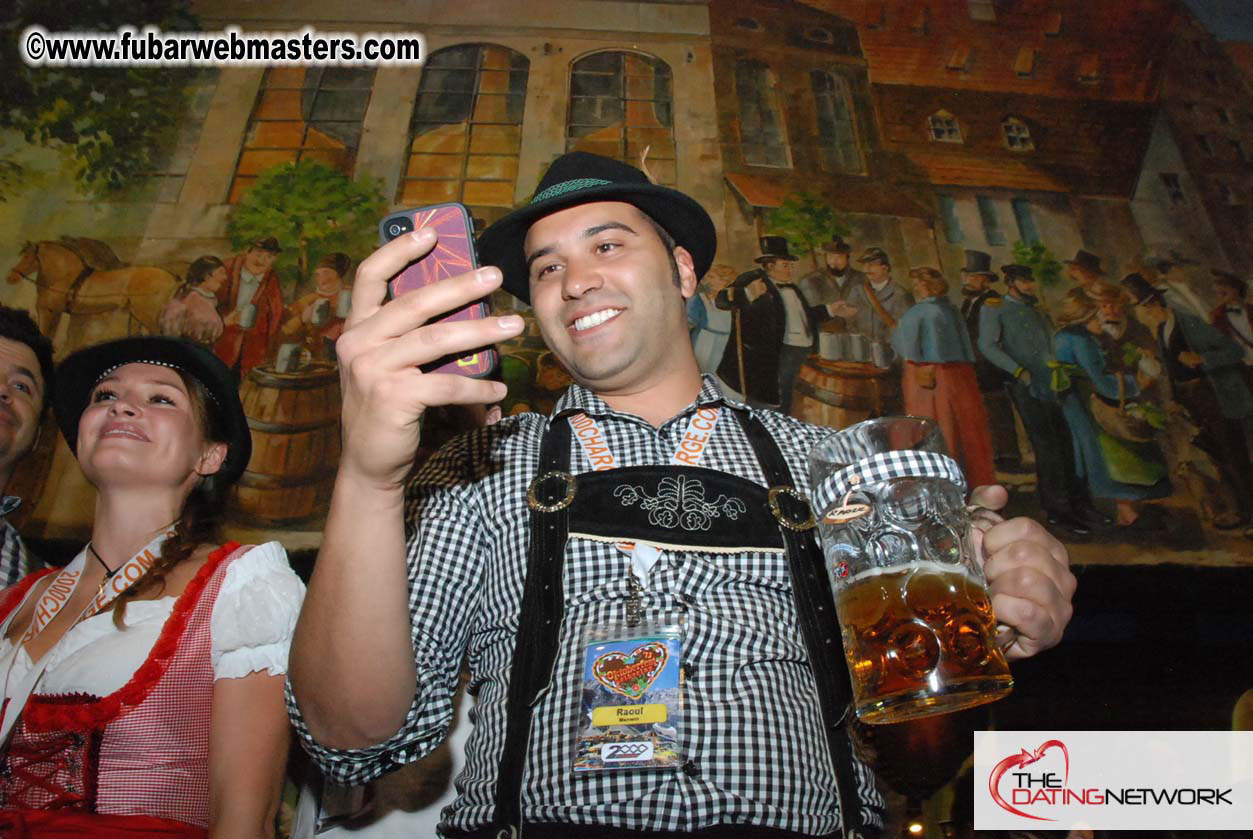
point(919, 635)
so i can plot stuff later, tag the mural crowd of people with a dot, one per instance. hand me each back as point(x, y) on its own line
point(1126, 391)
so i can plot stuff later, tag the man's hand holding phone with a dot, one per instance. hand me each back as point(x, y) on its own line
point(386, 341)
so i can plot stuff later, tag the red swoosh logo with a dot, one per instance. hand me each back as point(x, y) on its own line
point(1024, 758)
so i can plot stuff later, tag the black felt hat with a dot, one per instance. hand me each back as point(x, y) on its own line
point(978, 262)
point(79, 372)
point(774, 247)
point(581, 178)
point(1142, 291)
point(1088, 261)
point(1014, 271)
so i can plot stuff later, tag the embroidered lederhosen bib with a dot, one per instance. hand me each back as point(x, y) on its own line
point(672, 507)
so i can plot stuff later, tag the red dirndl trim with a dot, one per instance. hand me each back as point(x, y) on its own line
point(43, 824)
point(47, 713)
point(12, 596)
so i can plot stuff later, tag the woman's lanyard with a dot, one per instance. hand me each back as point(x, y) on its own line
point(50, 604)
point(692, 445)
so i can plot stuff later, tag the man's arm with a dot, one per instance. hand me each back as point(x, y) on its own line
point(352, 666)
point(990, 337)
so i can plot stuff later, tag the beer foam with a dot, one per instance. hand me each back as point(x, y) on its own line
point(914, 567)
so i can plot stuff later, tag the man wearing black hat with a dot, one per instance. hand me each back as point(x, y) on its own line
point(776, 329)
point(1175, 283)
point(829, 288)
point(1016, 336)
point(1085, 269)
point(635, 513)
point(1205, 369)
point(976, 278)
point(251, 305)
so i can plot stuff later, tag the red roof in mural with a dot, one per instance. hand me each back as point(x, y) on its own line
point(956, 168)
point(1241, 53)
point(1085, 49)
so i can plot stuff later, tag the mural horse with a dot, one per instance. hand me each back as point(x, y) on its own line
point(77, 276)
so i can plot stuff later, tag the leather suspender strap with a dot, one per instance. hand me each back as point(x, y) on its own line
point(815, 609)
point(539, 622)
point(873, 297)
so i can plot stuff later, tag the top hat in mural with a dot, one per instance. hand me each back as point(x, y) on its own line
point(582, 178)
point(772, 248)
point(269, 243)
point(874, 255)
point(1141, 290)
point(1014, 271)
point(837, 245)
point(978, 262)
point(1088, 261)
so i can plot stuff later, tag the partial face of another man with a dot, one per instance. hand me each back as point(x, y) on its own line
point(21, 402)
point(837, 262)
point(258, 261)
point(603, 291)
point(878, 272)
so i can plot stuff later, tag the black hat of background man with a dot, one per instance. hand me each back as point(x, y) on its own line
point(978, 262)
point(874, 255)
point(1231, 279)
point(1142, 291)
point(581, 178)
point(837, 245)
point(1014, 271)
point(1088, 261)
point(772, 248)
point(269, 243)
point(79, 372)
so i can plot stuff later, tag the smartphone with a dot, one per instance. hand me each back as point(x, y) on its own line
point(453, 254)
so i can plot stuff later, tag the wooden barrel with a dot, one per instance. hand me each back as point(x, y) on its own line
point(294, 419)
point(838, 393)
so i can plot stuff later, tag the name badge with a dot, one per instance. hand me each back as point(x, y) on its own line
point(632, 698)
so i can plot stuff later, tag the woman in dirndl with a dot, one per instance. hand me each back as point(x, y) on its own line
point(143, 682)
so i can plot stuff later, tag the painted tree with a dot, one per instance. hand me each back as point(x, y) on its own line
point(806, 222)
point(1043, 264)
point(112, 125)
point(312, 210)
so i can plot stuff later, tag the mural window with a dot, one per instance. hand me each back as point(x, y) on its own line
point(991, 221)
point(465, 134)
point(1024, 62)
point(952, 224)
point(1174, 189)
point(944, 127)
point(1027, 231)
point(762, 139)
point(304, 113)
point(820, 35)
point(165, 182)
point(620, 104)
point(837, 133)
point(1017, 135)
point(959, 59)
point(747, 23)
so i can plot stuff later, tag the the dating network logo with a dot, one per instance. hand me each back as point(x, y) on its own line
point(1022, 780)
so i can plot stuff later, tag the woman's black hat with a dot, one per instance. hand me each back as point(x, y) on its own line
point(581, 178)
point(79, 372)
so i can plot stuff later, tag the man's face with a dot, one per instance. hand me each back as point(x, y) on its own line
point(1151, 315)
point(1176, 275)
point(21, 401)
point(837, 262)
point(258, 261)
point(1227, 296)
point(1024, 287)
point(878, 272)
point(973, 283)
point(1082, 276)
point(604, 293)
point(780, 270)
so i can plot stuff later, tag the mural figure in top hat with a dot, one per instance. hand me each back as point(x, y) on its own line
point(1085, 269)
point(977, 278)
point(776, 329)
point(1232, 316)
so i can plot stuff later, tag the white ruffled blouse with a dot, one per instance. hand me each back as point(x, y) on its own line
point(251, 629)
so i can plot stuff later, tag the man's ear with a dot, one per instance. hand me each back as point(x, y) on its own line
point(212, 459)
point(687, 272)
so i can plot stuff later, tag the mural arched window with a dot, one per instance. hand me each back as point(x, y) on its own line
point(944, 127)
point(620, 103)
point(466, 131)
point(1017, 135)
point(304, 113)
point(762, 137)
point(838, 149)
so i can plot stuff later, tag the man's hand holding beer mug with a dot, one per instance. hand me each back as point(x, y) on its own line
point(921, 579)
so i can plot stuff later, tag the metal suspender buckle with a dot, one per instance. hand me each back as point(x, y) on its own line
point(544, 494)
point(798, 516)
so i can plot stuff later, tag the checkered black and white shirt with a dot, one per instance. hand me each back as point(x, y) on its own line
point(751, 724)
point(15, 561)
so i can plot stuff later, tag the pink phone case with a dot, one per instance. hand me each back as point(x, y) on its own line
point(453, 255)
